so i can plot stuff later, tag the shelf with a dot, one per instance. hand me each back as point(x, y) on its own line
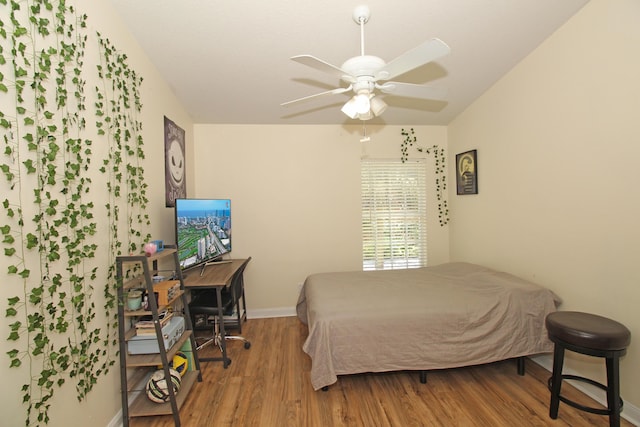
point(136, 282)
point(138, 368)
point(138, 360)
point(138, 313)
point(141, 257)
point(142, 406)
point(132, 332)
point(137, 381)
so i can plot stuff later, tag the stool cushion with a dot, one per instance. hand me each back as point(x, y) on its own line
point(588, 330)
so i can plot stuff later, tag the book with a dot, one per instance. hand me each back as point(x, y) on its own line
point(145, 324)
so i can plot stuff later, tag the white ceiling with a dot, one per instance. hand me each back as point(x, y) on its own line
point(228, 60)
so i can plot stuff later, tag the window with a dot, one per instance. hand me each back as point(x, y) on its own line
point(394, 219)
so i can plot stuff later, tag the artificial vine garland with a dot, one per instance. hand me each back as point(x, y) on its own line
point(49, 229)
point(409, 139)
point(117, 106)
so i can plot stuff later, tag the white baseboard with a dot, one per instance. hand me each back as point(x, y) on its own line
point(630, 412)
point(116, 421)
point(265, 313)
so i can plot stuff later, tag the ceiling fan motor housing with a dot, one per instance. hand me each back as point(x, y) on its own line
point(362, 66)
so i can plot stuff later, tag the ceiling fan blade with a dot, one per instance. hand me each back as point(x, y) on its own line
point(420, 55)
point(413, 91)
point(325, 67)
point(329, 92)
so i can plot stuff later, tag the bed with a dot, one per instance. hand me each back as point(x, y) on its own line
point(446, 316)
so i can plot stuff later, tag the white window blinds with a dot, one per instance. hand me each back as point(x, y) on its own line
point(394, 219)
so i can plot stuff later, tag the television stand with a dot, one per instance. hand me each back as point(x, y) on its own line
point(206, 264)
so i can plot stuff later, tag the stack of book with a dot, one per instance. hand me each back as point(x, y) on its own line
point(145, 326)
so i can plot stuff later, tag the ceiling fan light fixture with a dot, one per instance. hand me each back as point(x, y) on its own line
point(362, 102)
point(378, 106)
point(366, 116)
point(359, 106)
point(350, 108)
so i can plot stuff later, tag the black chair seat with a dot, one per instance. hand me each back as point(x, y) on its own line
point(206, 302)
point(588, 330)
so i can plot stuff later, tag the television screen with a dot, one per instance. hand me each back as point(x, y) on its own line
point(203, 230)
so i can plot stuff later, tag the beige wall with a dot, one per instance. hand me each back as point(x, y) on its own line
point(103, 403)
point(295, 194)
point(558, 142)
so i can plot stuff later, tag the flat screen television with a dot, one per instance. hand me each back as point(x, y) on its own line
point(203, 231)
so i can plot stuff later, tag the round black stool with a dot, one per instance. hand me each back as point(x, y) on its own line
point(592, 335)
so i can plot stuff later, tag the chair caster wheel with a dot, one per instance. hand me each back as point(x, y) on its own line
point(247, 345)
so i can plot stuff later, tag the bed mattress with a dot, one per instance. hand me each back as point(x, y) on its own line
point(451, 315)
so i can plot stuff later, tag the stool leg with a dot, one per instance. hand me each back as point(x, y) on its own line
point(556, 380)
point(613, 391)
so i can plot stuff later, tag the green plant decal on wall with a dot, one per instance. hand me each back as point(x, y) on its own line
point(49, 230)
point(409, 139)
point(117, 106)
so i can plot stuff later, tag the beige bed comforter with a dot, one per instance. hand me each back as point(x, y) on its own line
point(447, 316)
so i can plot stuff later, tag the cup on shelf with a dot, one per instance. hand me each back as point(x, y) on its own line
point(134, 300)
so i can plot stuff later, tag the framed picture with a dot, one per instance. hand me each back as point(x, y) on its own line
point(467, 172)
point(174, 167)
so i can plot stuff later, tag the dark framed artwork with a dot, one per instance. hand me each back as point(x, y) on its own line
point(467, 172)
point(174, 167)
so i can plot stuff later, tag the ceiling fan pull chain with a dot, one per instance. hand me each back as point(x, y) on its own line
point(364, 138)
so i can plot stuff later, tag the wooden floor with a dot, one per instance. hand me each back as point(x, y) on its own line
point(268, 385)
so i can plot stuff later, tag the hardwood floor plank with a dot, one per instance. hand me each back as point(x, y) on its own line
point(269, 385)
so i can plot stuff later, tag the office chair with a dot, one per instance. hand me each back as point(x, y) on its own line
point(205, 303)
point(236, 292)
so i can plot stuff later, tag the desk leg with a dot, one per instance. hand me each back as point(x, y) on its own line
point(223, 342)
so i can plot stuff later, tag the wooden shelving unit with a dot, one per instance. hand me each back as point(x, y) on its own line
point(135, 369)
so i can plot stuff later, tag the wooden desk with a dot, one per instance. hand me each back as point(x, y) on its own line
point(218, 277)
point(215, 275)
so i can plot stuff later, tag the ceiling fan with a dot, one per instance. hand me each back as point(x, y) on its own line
point(363, 74)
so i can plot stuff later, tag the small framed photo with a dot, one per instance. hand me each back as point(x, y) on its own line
point(467, 172)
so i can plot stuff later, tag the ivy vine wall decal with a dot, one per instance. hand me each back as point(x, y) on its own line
point(409, 139)
point(63, 224)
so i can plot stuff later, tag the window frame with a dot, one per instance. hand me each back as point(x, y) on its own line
point(394, 214)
